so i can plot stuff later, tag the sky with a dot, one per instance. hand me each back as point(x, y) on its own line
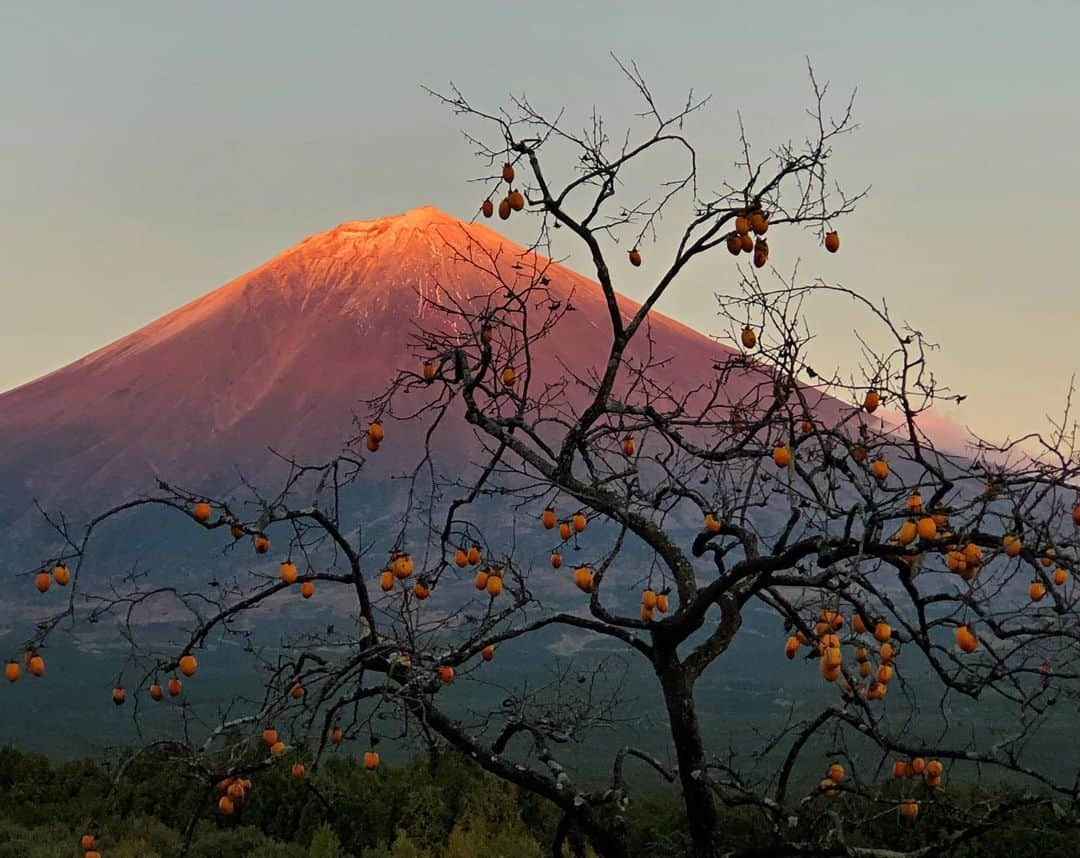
point(150, 152)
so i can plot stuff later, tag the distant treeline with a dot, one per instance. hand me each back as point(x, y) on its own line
point(442, 807)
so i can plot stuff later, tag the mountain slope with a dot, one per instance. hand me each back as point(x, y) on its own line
point(279, 357)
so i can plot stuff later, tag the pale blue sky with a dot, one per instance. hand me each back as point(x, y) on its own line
point(150, 152)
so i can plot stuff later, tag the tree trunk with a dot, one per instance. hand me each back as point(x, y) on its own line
point(701, 815)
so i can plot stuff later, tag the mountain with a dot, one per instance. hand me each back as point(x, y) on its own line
point(283, 357)
point(280, 357)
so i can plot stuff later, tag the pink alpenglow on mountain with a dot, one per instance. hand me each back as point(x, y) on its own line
point(282, 357)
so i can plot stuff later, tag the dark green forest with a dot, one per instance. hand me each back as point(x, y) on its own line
point(440, 807)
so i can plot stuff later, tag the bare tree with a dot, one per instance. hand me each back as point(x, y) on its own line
point(889, 565)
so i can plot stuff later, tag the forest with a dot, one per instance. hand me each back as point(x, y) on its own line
point(443, 807)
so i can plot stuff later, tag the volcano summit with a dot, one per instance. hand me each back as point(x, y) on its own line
point(281, 357)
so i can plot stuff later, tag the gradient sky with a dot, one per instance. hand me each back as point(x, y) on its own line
point(150, 152)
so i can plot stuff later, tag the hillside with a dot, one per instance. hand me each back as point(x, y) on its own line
point(280, 357)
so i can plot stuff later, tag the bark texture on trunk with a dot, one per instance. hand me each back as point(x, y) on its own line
point(701, 813)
